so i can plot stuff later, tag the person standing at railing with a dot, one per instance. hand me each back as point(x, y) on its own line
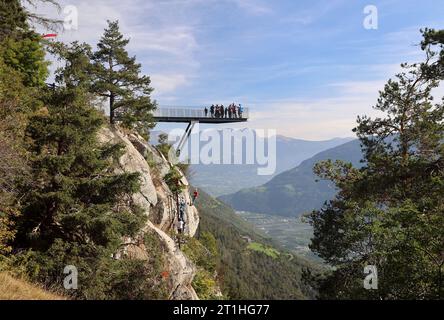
point(212, 111)
point(206, 112)
point(241, 110)
point(222, 110)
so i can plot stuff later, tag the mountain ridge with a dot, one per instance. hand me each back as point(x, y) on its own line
point(295, 191)
point(290, 152)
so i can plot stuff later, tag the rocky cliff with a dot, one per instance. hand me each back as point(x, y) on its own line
point(161, 207)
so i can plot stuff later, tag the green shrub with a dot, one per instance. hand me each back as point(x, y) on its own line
point(205, 285)
point(203, 252)
point(172, 179)
point(163, 146)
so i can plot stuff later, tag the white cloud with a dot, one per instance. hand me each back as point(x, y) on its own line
point(318, 118)
point(162, 39)
point(253, 6)
point(167, 83)
point(326, 117)
point(164, 36)
point(359, 88)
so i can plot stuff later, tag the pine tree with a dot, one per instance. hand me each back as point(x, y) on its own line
point(12, 18)
point(432, 39)
point(117, 78)
point(27, 57)
point(76, 210)
point(21, 47)
point(15, 105)
point(15, 18)
point(22, 70)
point(390, 212)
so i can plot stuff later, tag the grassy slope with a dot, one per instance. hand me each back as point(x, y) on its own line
point(14, 289)
point(259, 247)
point(246, 273)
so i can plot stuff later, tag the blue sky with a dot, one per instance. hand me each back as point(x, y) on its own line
point(306, 68)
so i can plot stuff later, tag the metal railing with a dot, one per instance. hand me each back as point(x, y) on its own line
point(193, 112)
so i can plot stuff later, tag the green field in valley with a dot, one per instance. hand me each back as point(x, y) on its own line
point(271, 252)
point(291, 233)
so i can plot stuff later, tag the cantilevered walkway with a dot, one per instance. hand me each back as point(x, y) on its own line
point(197, 114)
point(193, 115)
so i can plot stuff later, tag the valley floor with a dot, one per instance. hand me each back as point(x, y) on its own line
point(291, 233)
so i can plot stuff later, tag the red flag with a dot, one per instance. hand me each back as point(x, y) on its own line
point(50, 35)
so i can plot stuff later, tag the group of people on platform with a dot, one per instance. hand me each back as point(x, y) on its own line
point(230, 112)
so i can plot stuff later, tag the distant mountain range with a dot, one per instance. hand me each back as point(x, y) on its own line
point(219, 179)
point(295, 191)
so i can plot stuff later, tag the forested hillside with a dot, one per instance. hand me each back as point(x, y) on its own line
point(81, 189)
point(246, 271)
point(388, 214)
point(297, 190)
point(76, 186)
point(90, 210)
point(289, 154)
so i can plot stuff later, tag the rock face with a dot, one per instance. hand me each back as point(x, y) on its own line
point(133, 161)
point(160, 205)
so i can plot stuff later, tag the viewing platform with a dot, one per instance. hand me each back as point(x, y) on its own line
point(195, 114)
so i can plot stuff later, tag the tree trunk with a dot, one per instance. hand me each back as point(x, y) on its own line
point(111, 108)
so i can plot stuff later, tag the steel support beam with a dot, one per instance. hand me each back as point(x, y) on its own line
point(185, 136)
